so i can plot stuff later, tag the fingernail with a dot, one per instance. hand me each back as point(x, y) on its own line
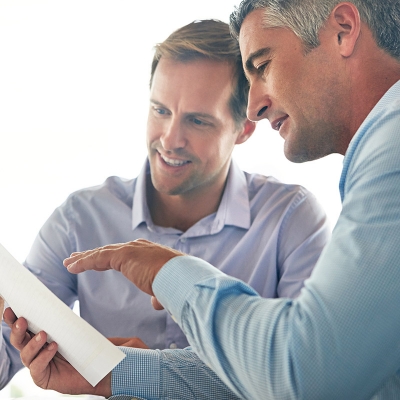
point(71, 267)
point(38, 337)
point(51, 346)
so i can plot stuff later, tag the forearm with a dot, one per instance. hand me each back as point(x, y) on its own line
point(277, 348)
point(166, 374)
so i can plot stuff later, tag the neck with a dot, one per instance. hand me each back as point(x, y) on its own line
point(373, 76)
point(182, 211)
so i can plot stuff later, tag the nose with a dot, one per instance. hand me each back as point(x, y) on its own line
point(173, 136)
point(258, 102)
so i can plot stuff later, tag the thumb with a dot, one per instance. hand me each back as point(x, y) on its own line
point(156, 304)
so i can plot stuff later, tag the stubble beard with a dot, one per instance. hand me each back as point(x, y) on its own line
point(313, 144)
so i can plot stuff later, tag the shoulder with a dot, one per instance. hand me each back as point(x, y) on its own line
point(263, 187)
point(380, 130)
point(271, 198)
point(374, 149)
point(114, 188)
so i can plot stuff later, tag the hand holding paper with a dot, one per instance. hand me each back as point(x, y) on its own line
point(49, 370)
point(90, 353)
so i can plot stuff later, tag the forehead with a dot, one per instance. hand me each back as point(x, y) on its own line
point(194, 81)
point(252, 32)
point(255, 38)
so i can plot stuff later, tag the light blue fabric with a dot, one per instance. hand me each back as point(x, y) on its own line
point(340, 339)
point(264, 232)
point(158, 374)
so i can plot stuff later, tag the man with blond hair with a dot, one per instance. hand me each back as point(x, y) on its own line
point(326, 74)
point(189, 196)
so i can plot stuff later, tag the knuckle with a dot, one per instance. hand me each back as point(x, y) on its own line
point(24, 361)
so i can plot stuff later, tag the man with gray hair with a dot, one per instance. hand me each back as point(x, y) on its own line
point(190, 195)
point(326, 74)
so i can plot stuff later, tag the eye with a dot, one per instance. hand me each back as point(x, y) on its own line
point(160, 110)
point(262, 66)
point(197, 121)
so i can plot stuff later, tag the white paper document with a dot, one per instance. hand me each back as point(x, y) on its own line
point(87, 350)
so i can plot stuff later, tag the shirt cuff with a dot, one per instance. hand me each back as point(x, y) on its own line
point(137, 375)
point(176, 279)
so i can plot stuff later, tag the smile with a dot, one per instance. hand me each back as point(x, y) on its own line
point(174, 162)
point(278, 123)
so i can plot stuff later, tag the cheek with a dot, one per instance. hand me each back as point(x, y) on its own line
point(152, 131)
point(289, 75)
point(223, 149)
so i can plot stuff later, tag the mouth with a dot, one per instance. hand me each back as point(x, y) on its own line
point(173, 162)
point(277, 124)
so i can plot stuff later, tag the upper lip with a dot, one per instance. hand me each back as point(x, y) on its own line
point(276, 123)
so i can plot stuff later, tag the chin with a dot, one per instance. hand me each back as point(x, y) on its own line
point(299, 158)
point(295, 156)
point(300, 154)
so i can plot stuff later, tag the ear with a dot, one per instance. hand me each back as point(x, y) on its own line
point(246, 131)
point(348, 25)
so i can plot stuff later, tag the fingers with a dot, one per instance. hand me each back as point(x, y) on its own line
point(39, 364)
point(37, 354)
point(135, 342)
point(19, 336)
point(97, 260)
point(139, 261)
point(156, 304)
point(128, 342)
point(117, 341)
point(9, 316)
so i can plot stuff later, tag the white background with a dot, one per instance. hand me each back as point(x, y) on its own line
point(73, 105)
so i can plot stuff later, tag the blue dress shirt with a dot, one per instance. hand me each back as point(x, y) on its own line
point(340, 339)
point(264, 232)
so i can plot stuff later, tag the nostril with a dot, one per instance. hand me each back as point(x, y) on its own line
point(261, 112)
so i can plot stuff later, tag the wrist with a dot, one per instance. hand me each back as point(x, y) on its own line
point(103, 388)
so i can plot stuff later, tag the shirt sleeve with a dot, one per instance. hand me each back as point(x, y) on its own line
point(51, 246)
point(166, 374)
point(325, 344)
point(303, 234)
point(10, 362)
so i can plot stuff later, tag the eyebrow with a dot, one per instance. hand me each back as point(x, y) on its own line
point(253, 56)
point(157, 103)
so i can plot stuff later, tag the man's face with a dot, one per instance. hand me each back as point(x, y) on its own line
point(300, 94)
point(190, 131)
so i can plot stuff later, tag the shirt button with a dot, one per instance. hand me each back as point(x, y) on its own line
point(183, 240)
point(173, 346)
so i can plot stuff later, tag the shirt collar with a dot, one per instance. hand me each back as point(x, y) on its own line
point(391, 95)
point(140, 210)
point(234, 208)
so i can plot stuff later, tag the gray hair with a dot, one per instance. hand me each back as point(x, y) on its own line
point(306, 17)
